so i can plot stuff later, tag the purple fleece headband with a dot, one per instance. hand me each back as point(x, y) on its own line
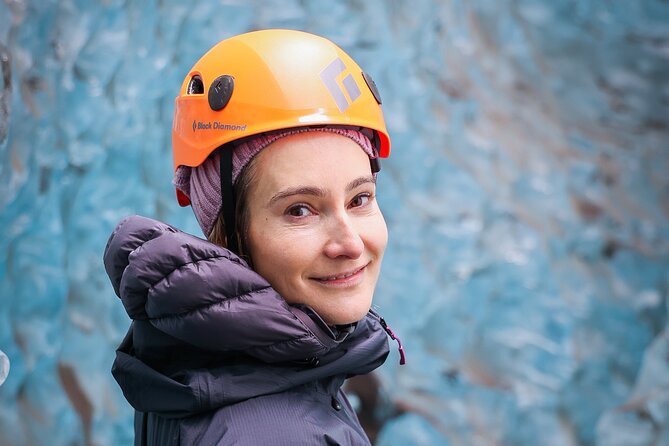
point(202, 184)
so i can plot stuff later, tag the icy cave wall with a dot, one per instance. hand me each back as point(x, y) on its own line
point(527, 198)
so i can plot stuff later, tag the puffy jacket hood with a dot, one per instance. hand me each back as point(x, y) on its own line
point(208, 331)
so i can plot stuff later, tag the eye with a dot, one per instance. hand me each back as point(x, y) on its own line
point(299, 210)
point(360, 200)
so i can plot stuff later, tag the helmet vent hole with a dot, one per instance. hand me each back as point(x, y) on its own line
point(195, 86)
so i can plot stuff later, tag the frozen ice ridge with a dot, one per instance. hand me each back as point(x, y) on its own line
point(4, 367)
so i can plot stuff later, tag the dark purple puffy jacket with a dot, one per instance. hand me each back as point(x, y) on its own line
point(214, 356)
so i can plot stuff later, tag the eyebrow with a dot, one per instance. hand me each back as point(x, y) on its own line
point(318, 191)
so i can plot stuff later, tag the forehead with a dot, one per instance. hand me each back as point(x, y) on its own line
point(313, 158)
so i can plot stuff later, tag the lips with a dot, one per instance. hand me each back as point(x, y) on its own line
point(341, 277)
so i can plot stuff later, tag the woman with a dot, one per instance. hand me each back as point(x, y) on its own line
point(248, 337)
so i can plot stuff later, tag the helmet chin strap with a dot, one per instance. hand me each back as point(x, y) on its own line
point(228, 197)
point(375, 163)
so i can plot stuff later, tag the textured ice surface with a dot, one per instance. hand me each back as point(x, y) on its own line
point(410, 429)
point(4, 367)
point(527, 198)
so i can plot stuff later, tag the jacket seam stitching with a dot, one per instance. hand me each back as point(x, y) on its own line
point(308, 335)
point(206, 305)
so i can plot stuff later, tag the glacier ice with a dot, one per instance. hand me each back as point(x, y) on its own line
point(526, 198)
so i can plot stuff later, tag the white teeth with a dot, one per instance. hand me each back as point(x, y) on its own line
point(343, 276)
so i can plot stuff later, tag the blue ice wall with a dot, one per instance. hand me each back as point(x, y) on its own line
point(527, 198)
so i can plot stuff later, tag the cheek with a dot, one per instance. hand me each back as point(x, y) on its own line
point(378, 236)
point(276, 255)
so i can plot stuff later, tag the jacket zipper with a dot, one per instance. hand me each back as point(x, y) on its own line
point(394, 337)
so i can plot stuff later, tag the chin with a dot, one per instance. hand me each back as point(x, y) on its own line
point(345, 317)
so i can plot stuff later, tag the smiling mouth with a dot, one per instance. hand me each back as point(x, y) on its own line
point(342, 278)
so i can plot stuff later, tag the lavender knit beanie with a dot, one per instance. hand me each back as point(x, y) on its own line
point(202, 184)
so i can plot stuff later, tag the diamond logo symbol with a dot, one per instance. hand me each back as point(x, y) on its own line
point(329, 77)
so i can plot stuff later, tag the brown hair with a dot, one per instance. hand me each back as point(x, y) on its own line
point(241, 191)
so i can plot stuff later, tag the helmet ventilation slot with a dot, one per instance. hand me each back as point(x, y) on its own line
point(195, 86)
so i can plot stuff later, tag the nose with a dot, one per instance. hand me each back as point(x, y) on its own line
point(343, 239)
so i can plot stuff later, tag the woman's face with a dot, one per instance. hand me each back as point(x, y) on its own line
point(315, 230)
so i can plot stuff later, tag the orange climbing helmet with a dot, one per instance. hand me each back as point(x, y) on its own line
point(269, 80)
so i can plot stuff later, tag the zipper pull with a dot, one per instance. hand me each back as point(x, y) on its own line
point(395, 338)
